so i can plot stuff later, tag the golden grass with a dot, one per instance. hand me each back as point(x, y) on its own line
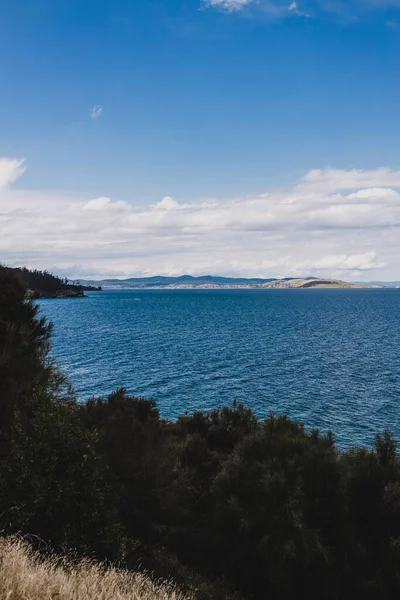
point(25, 575)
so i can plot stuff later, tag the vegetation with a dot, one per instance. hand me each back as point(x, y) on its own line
point(264, 508)
point(41, 284)
point(25, 575)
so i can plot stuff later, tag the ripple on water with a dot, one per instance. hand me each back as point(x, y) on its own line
point(330, 358)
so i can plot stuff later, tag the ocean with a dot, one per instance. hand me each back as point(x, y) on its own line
point(329, 358)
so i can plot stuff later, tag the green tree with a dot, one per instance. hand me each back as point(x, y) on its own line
point(280, 508)
point(25, 367)
point(51, 481)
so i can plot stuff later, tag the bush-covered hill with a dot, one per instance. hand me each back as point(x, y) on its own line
point(41, 284)
point(222, 502)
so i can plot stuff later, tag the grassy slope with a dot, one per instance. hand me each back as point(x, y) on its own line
point(26, 576)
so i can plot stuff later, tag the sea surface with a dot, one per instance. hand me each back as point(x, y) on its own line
point(329, 358)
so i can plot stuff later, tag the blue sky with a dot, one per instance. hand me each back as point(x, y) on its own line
point(198, 102)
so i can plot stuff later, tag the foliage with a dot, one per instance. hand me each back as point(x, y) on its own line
point(25, 368)
point(52, 483)
point(44, 284)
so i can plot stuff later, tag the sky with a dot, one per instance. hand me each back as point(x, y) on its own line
point(230, 137)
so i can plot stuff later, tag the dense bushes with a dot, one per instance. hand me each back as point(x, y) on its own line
point(51, 481)
point(272, 509)
point(42, 283)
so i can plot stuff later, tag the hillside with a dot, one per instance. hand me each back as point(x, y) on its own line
point(186, 282)
point(41, 284)
point(310, 282)
point(25, 575)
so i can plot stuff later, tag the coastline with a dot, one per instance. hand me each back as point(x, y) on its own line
point(242, 287)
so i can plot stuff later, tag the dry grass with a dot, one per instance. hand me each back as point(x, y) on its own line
point(24, 575)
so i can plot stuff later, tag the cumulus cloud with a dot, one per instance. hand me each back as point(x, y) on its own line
point(103, 203)
point(371, 193)
point(96, 111)
point(329, 180)
point(330, 223)
point(167, 203)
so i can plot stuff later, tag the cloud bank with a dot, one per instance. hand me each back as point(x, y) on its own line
point(330, 223)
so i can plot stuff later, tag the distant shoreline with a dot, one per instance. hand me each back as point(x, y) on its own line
point(237, 287)
point(210, 282)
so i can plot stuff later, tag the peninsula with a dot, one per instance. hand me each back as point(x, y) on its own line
point(42, 284)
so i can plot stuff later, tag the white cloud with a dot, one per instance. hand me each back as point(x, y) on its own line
point(329, 180)
point(227, 5)
point(167, 203)
point(331, 223)
point(10, 170)
point(272, 8)
point(102, 203)
point(371, 193)
point(96, 111)
point(294, 10)
point(345, 9)
point(342, 262)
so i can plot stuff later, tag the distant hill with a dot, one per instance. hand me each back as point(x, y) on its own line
point(187, 279)
point(41, 284)
point(215, 282)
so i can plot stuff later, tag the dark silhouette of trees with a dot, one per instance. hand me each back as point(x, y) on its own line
point(42, 284)
point(25, 367)
point(51, 481)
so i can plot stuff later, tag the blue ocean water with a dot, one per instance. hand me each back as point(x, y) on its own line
point(330, 358)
